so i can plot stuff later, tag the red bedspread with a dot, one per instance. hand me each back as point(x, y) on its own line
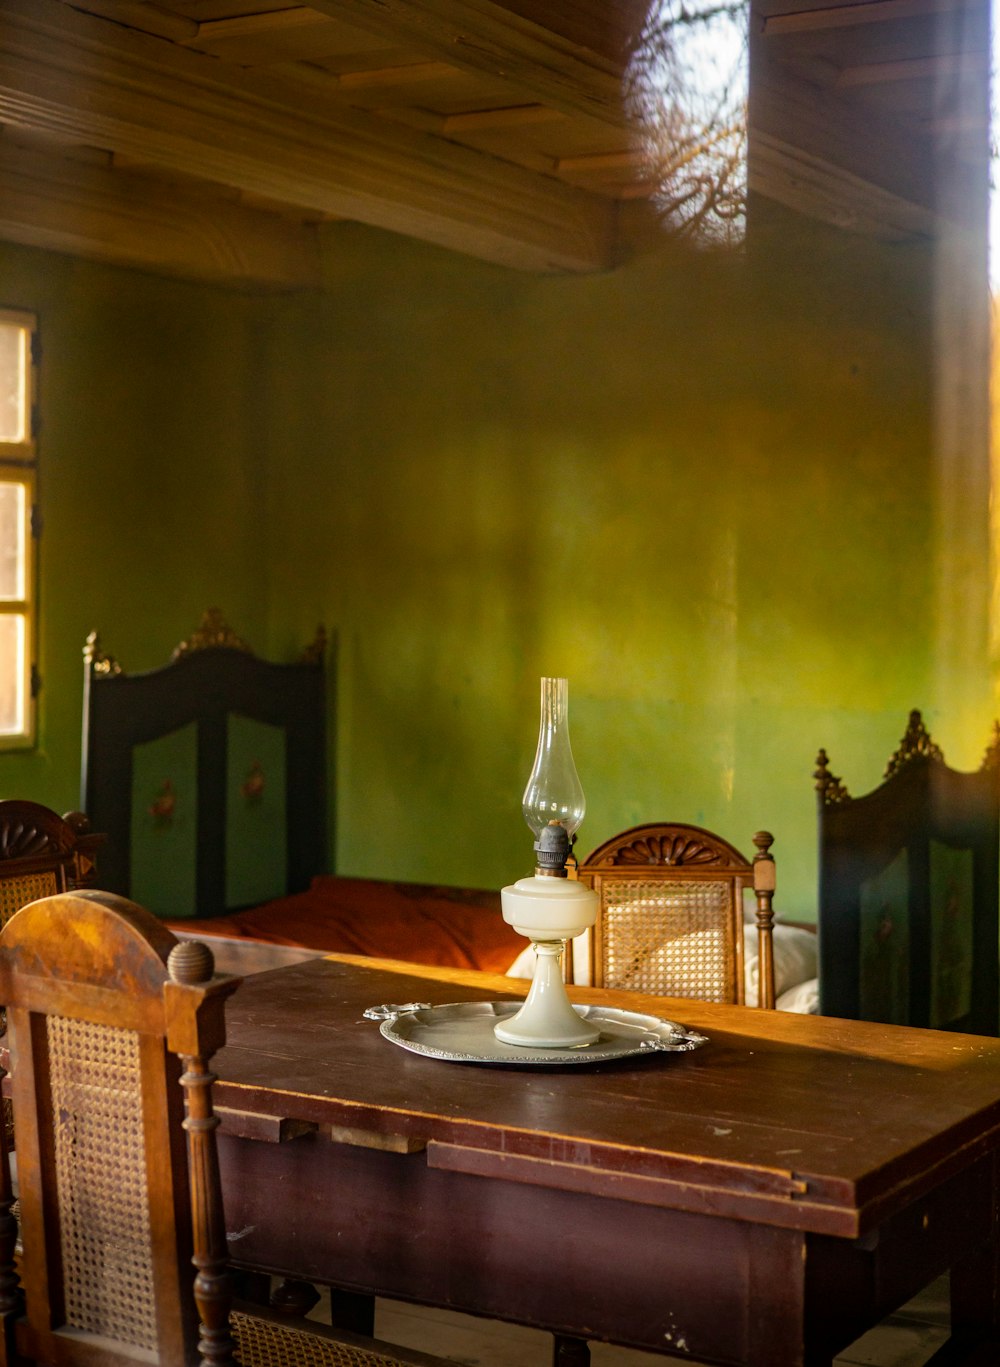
point(449, 927)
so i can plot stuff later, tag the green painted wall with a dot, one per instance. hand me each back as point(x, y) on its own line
point(700, 487)
point(149, 482)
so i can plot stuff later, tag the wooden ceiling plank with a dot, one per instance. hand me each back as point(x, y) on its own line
point(604, 161)
point(848, 16)
point(487, 36)
point(59, 204)
point(863, 142)
point(513, 116)
point(946, 124)
point(815, 187)
point(405, 74)
point(253, 25)
point(270, 36)
point(88, 80)
point(913, 69)
point(410, 116)
point(144, 16)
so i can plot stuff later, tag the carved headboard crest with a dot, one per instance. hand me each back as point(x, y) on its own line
point(213, 631)
point(917, 741)
point(991, 759)
point(831, 790)
point(96, 660)
point(316, 649)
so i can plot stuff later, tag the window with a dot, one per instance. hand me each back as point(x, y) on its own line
point(17, 498)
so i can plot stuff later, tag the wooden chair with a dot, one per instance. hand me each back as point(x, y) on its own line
point(42, 853)
point(670, 922)
point(671, 913)
point(112, 1025)
point(908, 891)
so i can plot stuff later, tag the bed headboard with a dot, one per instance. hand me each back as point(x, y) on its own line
point(207, 775)
point(908, 891)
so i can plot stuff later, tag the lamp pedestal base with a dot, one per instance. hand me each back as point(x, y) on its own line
point(547, 1019)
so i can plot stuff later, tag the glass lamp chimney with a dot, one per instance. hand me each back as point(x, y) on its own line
point(553, 801)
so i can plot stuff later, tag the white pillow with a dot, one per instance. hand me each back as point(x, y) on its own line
point(524, 965)
point(804, 999)
point(795, 960)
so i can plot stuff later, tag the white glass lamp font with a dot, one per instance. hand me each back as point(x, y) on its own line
point(548, 909)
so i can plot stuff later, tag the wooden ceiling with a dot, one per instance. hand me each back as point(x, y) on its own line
point(213, 138)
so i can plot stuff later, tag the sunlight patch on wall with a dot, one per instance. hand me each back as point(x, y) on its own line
point(686, 88)
point(993, 250)
point(994, 244)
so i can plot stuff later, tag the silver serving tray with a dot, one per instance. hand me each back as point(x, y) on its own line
point(462, 1032)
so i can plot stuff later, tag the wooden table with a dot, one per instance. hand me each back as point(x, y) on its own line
point(762, 1201)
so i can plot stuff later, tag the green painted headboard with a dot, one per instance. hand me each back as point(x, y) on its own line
point(208, 776)
point(908, 891)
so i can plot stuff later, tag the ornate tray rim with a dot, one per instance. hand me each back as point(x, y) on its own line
point(631, 1034)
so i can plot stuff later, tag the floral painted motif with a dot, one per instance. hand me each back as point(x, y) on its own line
point(252, 789)
point(164, 805)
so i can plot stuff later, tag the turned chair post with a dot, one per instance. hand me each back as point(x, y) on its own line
point(191, 966)
point(11, 1295)
point(764, 883)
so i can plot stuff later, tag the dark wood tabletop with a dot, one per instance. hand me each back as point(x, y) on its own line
point(792, 1121)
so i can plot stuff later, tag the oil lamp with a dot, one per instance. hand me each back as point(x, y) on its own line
point(549, 909)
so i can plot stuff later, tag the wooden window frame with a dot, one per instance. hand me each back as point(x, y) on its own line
point(19, 465)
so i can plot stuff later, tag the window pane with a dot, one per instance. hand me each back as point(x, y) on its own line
point(13, 498)
point(12, 674)
point(13, 404)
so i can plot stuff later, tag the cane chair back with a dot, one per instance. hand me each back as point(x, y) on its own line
point(670, 919)
point(112, 1025)
point(36, 854)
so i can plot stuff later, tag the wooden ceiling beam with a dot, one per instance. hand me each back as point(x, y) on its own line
point(144, 16)
point(86, 209)
point(83, 79)
point(543, 49)
point(812, 186)
point(626, 159)
point(807, 20)
point(914, 69)
point(798, 134)
point(488, 120)
point(409, 73)
point(262, 24)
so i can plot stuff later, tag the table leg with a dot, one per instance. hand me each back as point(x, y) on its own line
point(353, 1310)
point(975, 1297)
point(569, 1352)
point(294, 1298)
point(777, 1321)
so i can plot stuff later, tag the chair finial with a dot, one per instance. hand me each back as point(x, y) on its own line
point(190, 962)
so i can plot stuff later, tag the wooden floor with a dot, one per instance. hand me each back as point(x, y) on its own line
point(906, 1339)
